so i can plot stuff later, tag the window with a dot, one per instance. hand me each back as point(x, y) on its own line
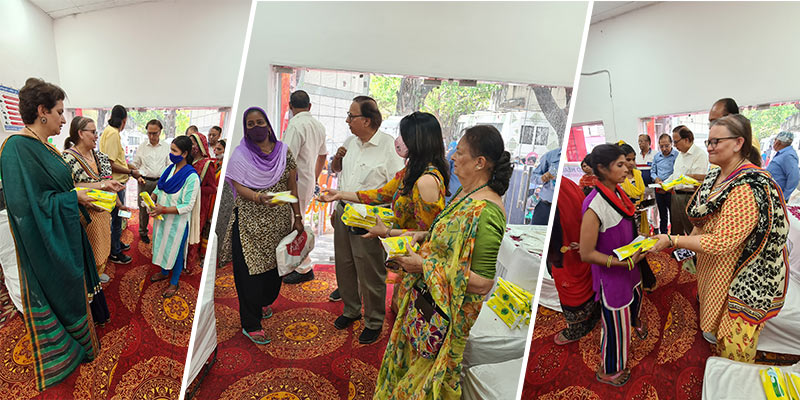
point(528, 132)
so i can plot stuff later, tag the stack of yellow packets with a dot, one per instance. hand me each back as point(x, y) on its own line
point(363, 216)
point(148, 201)
point(681, 180)
point(511, 303)
point(630, 249)
point(282, 197)
point(105, 200)
point(779, 385)
point(397, 246)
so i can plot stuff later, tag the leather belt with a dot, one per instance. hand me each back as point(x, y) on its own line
point(150, 179)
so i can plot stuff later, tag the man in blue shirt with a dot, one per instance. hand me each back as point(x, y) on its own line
point(784, 166)
point(545, 173)
point(454, 182)
point(663, 165)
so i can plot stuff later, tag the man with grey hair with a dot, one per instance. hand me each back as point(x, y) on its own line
point(784, 166)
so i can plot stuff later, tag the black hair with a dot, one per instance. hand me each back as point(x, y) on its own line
point(422, 135)
point(35, 93)
point(605, 155)
point(118, 114)
point(684, 132)
point(299, 99)
point(665, 135)
point(154, 122)
point(218, 129)
point(587, 160)
point(729, 105)
point(369, 109)
point(184, 144)
point(646, 136)
point(222, 142)
point(486, 141)
point(190, 128)
point(626, 148)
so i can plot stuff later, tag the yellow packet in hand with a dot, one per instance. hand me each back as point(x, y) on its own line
point(148, 201)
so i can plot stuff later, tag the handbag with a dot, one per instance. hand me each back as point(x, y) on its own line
point(425, 324)
point(293, 249)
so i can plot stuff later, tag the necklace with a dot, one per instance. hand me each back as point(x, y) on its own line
point(452, 206)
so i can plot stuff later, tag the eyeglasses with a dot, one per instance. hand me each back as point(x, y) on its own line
point(714, 142)
point(352, 116)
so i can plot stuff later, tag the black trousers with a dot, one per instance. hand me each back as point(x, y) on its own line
point(663, 201)
point(254, 291)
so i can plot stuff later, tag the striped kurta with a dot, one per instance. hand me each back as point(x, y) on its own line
point(168, 234)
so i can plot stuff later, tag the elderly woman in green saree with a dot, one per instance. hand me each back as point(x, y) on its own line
point(47, 217)
point(452, 273)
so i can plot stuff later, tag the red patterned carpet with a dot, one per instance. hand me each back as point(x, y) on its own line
point(143, 347)
point(307, 359)
point(667, 365)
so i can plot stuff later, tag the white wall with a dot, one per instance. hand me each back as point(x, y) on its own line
point(26, 45)
point(678, 57)
point(160, 54)
point(513, 42)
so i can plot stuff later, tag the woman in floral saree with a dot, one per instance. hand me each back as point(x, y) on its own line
point(454, 269)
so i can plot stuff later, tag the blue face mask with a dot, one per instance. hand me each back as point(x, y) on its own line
point(175, 159)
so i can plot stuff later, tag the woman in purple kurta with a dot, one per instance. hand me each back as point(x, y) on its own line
point(608, 224)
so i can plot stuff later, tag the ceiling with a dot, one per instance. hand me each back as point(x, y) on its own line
point(604, 10)
point(62, 8)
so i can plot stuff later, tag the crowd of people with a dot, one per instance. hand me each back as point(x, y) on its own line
point(56, 222)
point(452, 271)
point(735, 222)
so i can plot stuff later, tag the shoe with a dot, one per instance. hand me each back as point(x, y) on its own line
point(145, 239)
point(295, 277)
point(124, 247)
point(343, 322)
point(119, 258)
point(104, 278)
point(369, 336)
point(709, 337)
point(335, 296)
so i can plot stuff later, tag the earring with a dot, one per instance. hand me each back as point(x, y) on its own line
point(44, 120)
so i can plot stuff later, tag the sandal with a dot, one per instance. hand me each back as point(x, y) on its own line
point(158, 276)
point(641, 330)
point(618, 379)
point(561, 340)
point(170, 291)
point(253, 336)
point(266, 312)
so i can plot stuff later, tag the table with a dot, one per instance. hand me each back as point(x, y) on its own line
point(733, 380)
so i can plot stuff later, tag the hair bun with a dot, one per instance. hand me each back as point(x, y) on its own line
point(502, 173)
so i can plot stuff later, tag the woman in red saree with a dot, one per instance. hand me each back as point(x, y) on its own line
point(207, 170)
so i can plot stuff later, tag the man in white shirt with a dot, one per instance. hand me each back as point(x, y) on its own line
point(366, 161)
point(151, 158)
point(644, 160)
point(692, 161)
point(305, 137)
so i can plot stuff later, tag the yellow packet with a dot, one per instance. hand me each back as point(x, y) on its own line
point(793, 385)
point(398, 246)
point(282, 197)
point(774, 384)
point(630, 249)
point(503, 312)
point(148, 201)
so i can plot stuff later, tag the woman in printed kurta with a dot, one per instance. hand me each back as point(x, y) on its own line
point(608, 224)
point(176, 197)
point(417, 192)
point(259, 165)
point(92, 169)
point(47, 218)
point(740, 232)
point(457, 265)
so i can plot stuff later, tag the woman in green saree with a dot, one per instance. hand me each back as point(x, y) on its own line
point(456, 267)
point(47, 217)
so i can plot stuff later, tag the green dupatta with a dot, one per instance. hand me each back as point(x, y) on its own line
point(55, 258)
point(404, 374)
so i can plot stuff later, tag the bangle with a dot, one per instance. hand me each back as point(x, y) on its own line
point(298, 216)
point(388, 232)
point(671, 243)
point(608, 262)
point(630, 263)
point(676, 241)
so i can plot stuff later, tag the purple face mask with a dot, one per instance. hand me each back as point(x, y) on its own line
point(257, 133)
point(400, 147)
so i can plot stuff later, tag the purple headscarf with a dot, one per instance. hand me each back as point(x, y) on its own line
point(251, 167)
